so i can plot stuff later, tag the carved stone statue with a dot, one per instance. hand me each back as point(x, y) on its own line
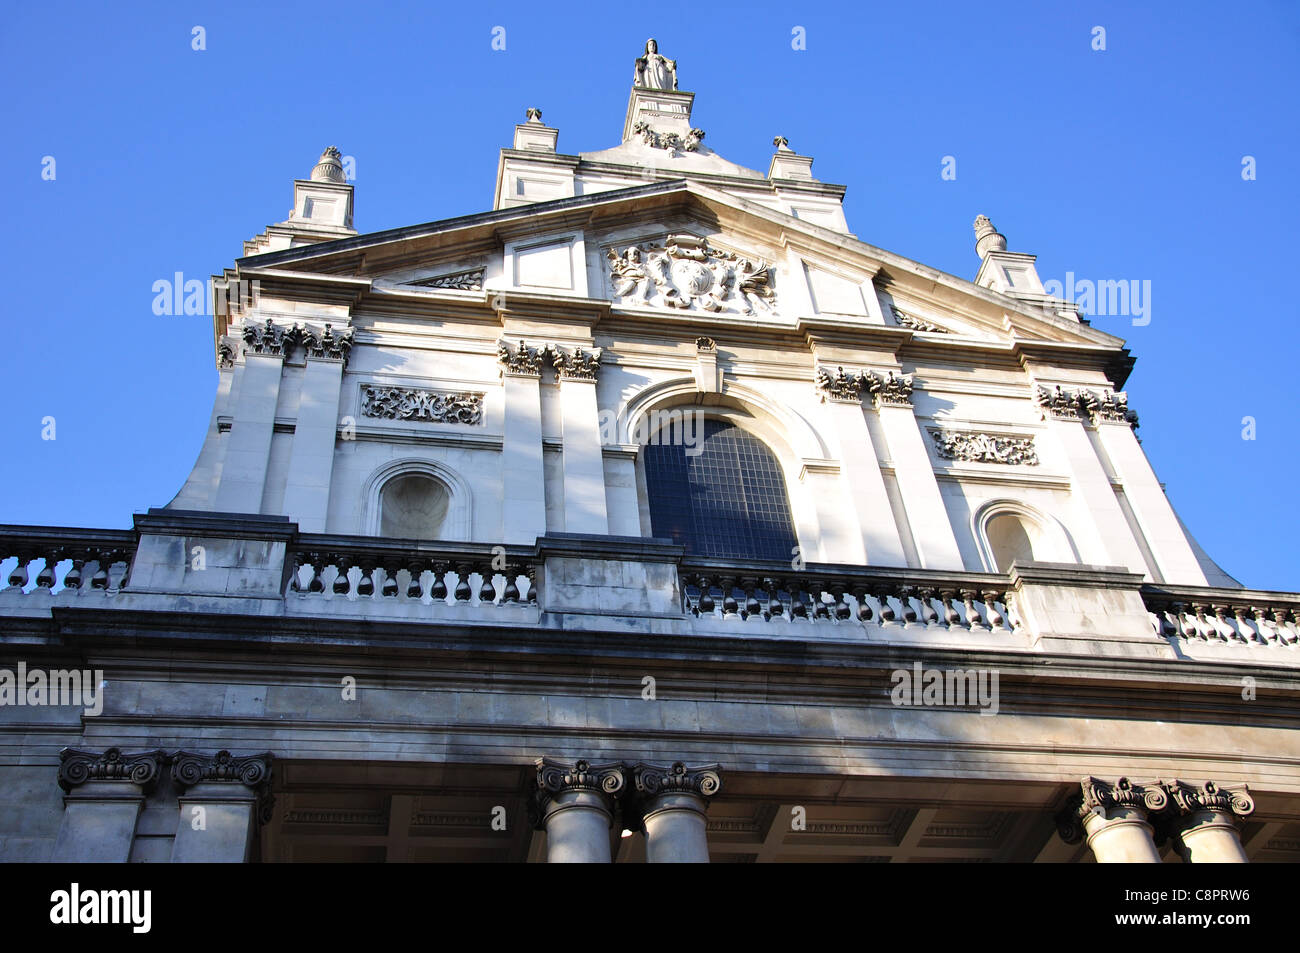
point(654, 71)
point(627, 272)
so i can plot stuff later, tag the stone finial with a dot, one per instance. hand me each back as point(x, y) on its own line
point(782, 144)
point(987, 238)
point(330, 167)
point(534, 114)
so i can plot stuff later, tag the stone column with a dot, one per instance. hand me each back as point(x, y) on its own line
point(104, 795)
point(523, 508)
point(672, 804)
point(860, 469)
point(936, 544)
point(574, 804)
point(1095, 503)
point(1151, 508)
point(1115, 818)
point(1205, 822)
point(248, 445)
point(222, 799)
point(584, 465)
point(311, 458)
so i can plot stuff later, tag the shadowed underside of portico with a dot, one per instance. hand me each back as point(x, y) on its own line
point(395, 813)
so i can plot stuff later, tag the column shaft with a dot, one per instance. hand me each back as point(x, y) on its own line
point(523, 508)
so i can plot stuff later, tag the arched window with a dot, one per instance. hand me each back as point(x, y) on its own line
point(722, 497)
point(413, 506)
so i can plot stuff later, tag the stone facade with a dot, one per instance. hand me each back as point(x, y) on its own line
point(530, 673)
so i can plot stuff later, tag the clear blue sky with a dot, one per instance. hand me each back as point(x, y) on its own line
point(1117, 164)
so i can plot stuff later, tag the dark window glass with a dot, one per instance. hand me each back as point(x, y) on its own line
point(728, 500)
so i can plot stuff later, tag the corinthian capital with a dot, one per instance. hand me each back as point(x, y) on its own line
point(77, 767)
point(1058, 402)
point(523, 361)
point(574, 365)
point(840, 386)
point(891, 390)
point(1108, 406)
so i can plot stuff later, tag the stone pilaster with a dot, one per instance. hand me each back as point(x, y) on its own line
point(223, 798)
point(524, 500)
point(672, 802)
point(105, 792)
point(1116, 819)
point(574, 803)
point(584, 463)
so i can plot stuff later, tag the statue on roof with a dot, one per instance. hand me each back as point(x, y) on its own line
point(654, 71)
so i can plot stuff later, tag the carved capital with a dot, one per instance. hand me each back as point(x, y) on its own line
point(1058, 402)
point(1108, 406)
point(250, 771)
point(277, 339)
point(522, 360)
point(840, 386)
point(892, 390)
point(562, 777)
point(1103, 798)
point(576, 364)
point(270, 338)
point(654, 780)
point(76, 767)
point(326, 344)
point(1188, 799)
point(227, 350)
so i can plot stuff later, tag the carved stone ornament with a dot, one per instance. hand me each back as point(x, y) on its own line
point(1103, 798)
point(411, 403)
point(562, 777)
point(77, 767)
point(1059, 402)
point(984, 447)
point(227, 349)
point(840, 386)
point(576, 364)
point(521, 360)
point(685, 272)
point(189, 769)
point(892, 390)
point(652, 780)
point(672, 141)
point(468, 280)
point(272, 338)
point(916, 324)
point(654, 70)
point(1108, 405)
point(1188, 798)
point(705, 344)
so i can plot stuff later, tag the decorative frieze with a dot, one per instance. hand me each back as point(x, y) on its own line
point(411, 403)
point(892, 390)
point(76, 767)
point(469, 280)
point(685, 272)
point(520, 360)
point(653, 780)
point(840, 386)
point(574, 364)
point(278, 339)
point(974, 447)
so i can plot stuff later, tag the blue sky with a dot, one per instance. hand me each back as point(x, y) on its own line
point(1117, 164)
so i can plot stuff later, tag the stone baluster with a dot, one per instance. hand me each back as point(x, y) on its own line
point(997, 621)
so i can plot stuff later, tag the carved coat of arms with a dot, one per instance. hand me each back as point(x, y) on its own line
point(685, 272)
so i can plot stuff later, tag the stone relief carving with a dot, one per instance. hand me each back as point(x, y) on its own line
point(652, 780)
point(687, 273)
point(411, 403)
point(76, 767)
point(468, 280)
point(523, 360)
point(227, 348)
point(841, 386)
point(653, 70)
point(574, 365)
point(671, 140)
point(916, 324)
point(705, 344)
point(984, 447)
point(892, 390)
